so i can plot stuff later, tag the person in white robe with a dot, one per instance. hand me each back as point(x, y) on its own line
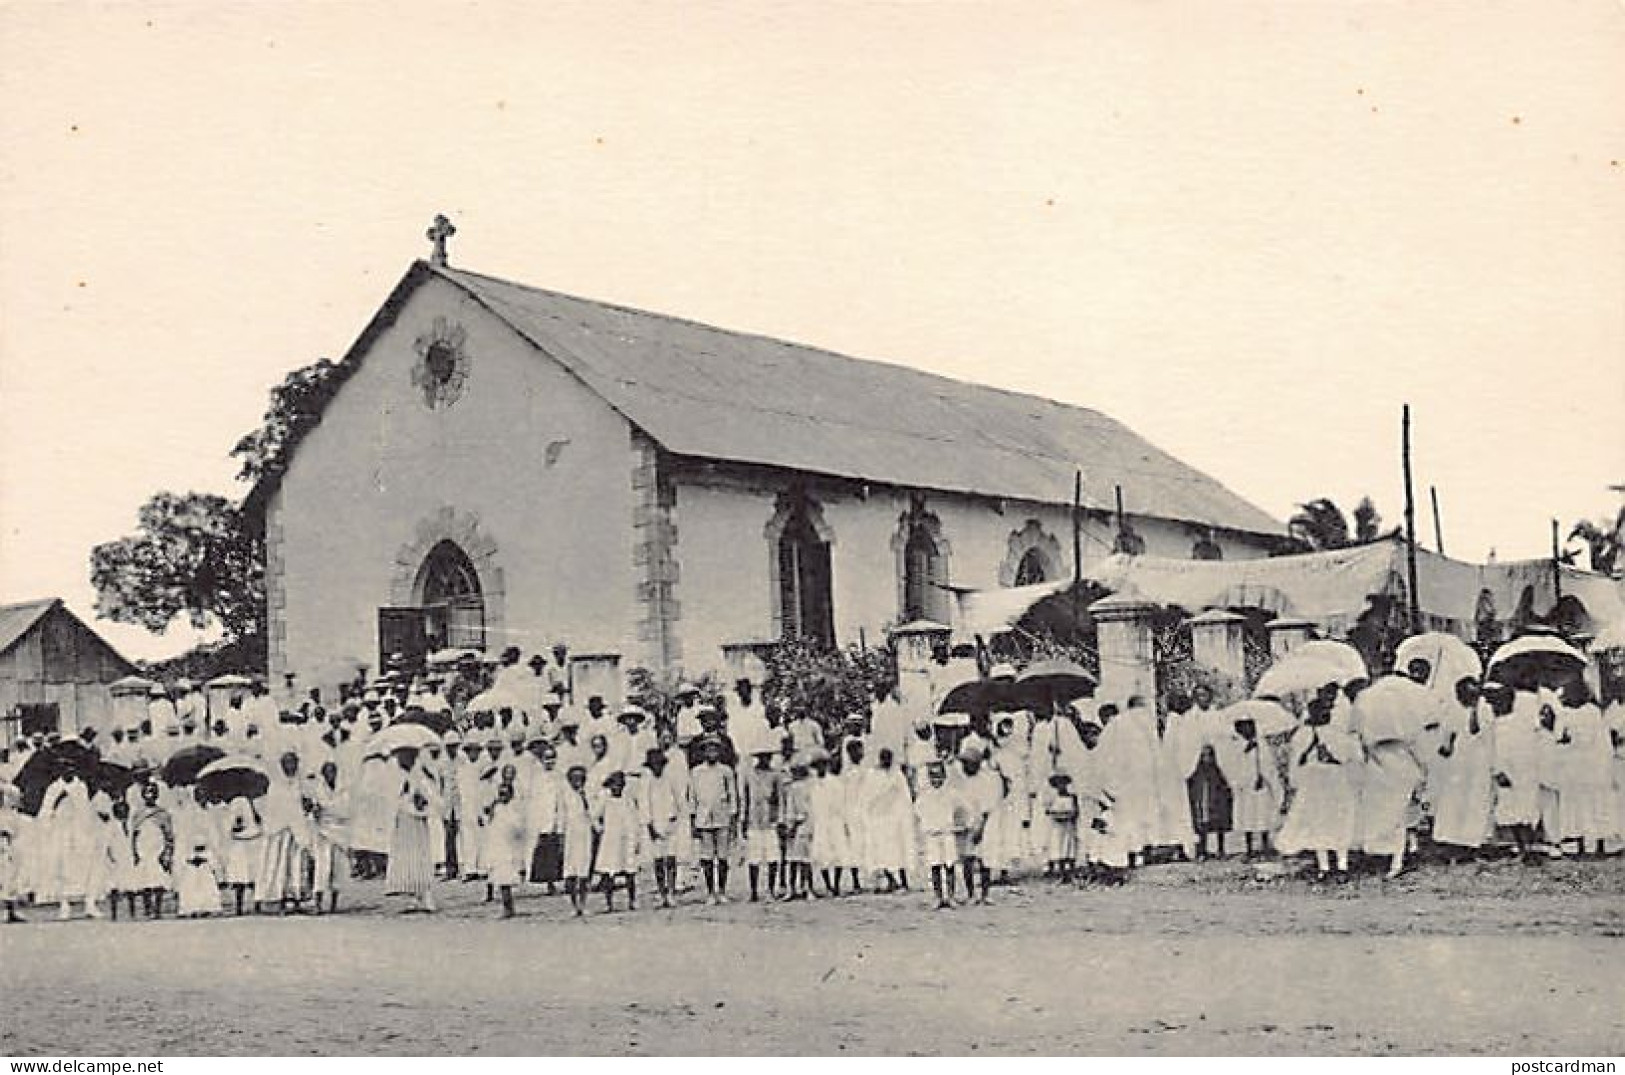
point(748, 725)
point(662, 807)
point(13, 823)
point(1613, 718)
point(1461, 777)
point(71, 832)
point(1008, 842)
point(329, 821)
point(1324, 814)
point(1392, 775)
point(889, 812)
point(1518, 754)
point(280, 878)
point(1584, 764)
point(890, 724)
point(687, 715)
point(1255, 784)
point(544, 818)
point(152, 850)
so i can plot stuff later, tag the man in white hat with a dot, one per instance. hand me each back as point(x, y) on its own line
point(630, 743)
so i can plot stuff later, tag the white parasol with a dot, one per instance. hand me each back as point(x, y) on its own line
point(1450, 660)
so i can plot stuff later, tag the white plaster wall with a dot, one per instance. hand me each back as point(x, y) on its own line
point(726, 583)
point(382, 462)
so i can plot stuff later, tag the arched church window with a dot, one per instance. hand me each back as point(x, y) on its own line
point(451, 598)
point(806, 605)
point(922, 568)
point(1031, 570)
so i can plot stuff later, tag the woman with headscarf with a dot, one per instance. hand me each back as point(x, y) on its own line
point(152, 851)
point(1391, 777)
point(1461, 779)
point(281, 875)
point(411, 858)
point(70, 834)
point(1584, 761)
point(888, 810)
point(1324, 815)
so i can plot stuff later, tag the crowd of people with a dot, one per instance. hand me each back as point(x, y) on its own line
point(496, 774)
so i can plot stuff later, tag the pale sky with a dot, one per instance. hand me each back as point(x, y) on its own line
point(1247, 230)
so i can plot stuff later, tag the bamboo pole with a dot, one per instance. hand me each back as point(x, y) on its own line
point(1410, 523)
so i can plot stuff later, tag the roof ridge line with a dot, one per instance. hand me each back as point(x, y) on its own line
point(780, 340)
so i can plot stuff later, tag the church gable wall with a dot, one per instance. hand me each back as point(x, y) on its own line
point(499, 450)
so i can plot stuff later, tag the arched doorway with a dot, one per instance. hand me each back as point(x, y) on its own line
point(448, 590)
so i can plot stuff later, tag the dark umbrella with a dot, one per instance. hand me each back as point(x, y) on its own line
point(48, 765)
point(439, 723)
point(112, 778)
point(1536, 659)
point(975, 696)
point(1054, 682)
point(182, 768)
point(226, 779)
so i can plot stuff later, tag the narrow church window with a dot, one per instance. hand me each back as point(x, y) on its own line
point(1031, 571)
point(922, 563)
point(806, 606)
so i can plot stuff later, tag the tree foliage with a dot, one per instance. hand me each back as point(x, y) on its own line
point(1320, 524)
point(193, 556)
point(296, 406)
point(827, 684)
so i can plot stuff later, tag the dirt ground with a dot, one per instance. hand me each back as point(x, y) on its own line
point(1209, 959)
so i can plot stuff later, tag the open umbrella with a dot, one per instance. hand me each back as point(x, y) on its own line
point(1393, 708)
point(1310, 667)
point(452, 656)
point(974, 696)
point(1053, 682)
point(1268, 716)
point(48, 765)
point(400, 736)
point(1450, 660)
point(182, 768)
point(232, 777)
point(437, 722)
point(1536, 660)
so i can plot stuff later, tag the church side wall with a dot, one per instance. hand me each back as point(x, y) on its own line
point(527, 470)
point(728, 561)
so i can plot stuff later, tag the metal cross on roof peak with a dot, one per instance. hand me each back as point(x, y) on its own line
point(441, 230)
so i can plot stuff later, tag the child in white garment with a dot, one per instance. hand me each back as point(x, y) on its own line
point(195, 884)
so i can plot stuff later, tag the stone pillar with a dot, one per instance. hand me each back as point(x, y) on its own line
point(1217, 640)
point(600, 674)
point(912, 644)
point(744, 660)
point(1127, 651)
point(1287, 634)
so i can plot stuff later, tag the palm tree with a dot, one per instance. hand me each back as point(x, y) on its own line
point(1320, 524)
point(1605, 543)
point(1367, 522)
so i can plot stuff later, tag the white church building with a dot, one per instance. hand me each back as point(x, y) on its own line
point(504, 465)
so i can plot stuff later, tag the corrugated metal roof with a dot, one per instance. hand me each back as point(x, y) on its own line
point(714, 394)
point(18, 619)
